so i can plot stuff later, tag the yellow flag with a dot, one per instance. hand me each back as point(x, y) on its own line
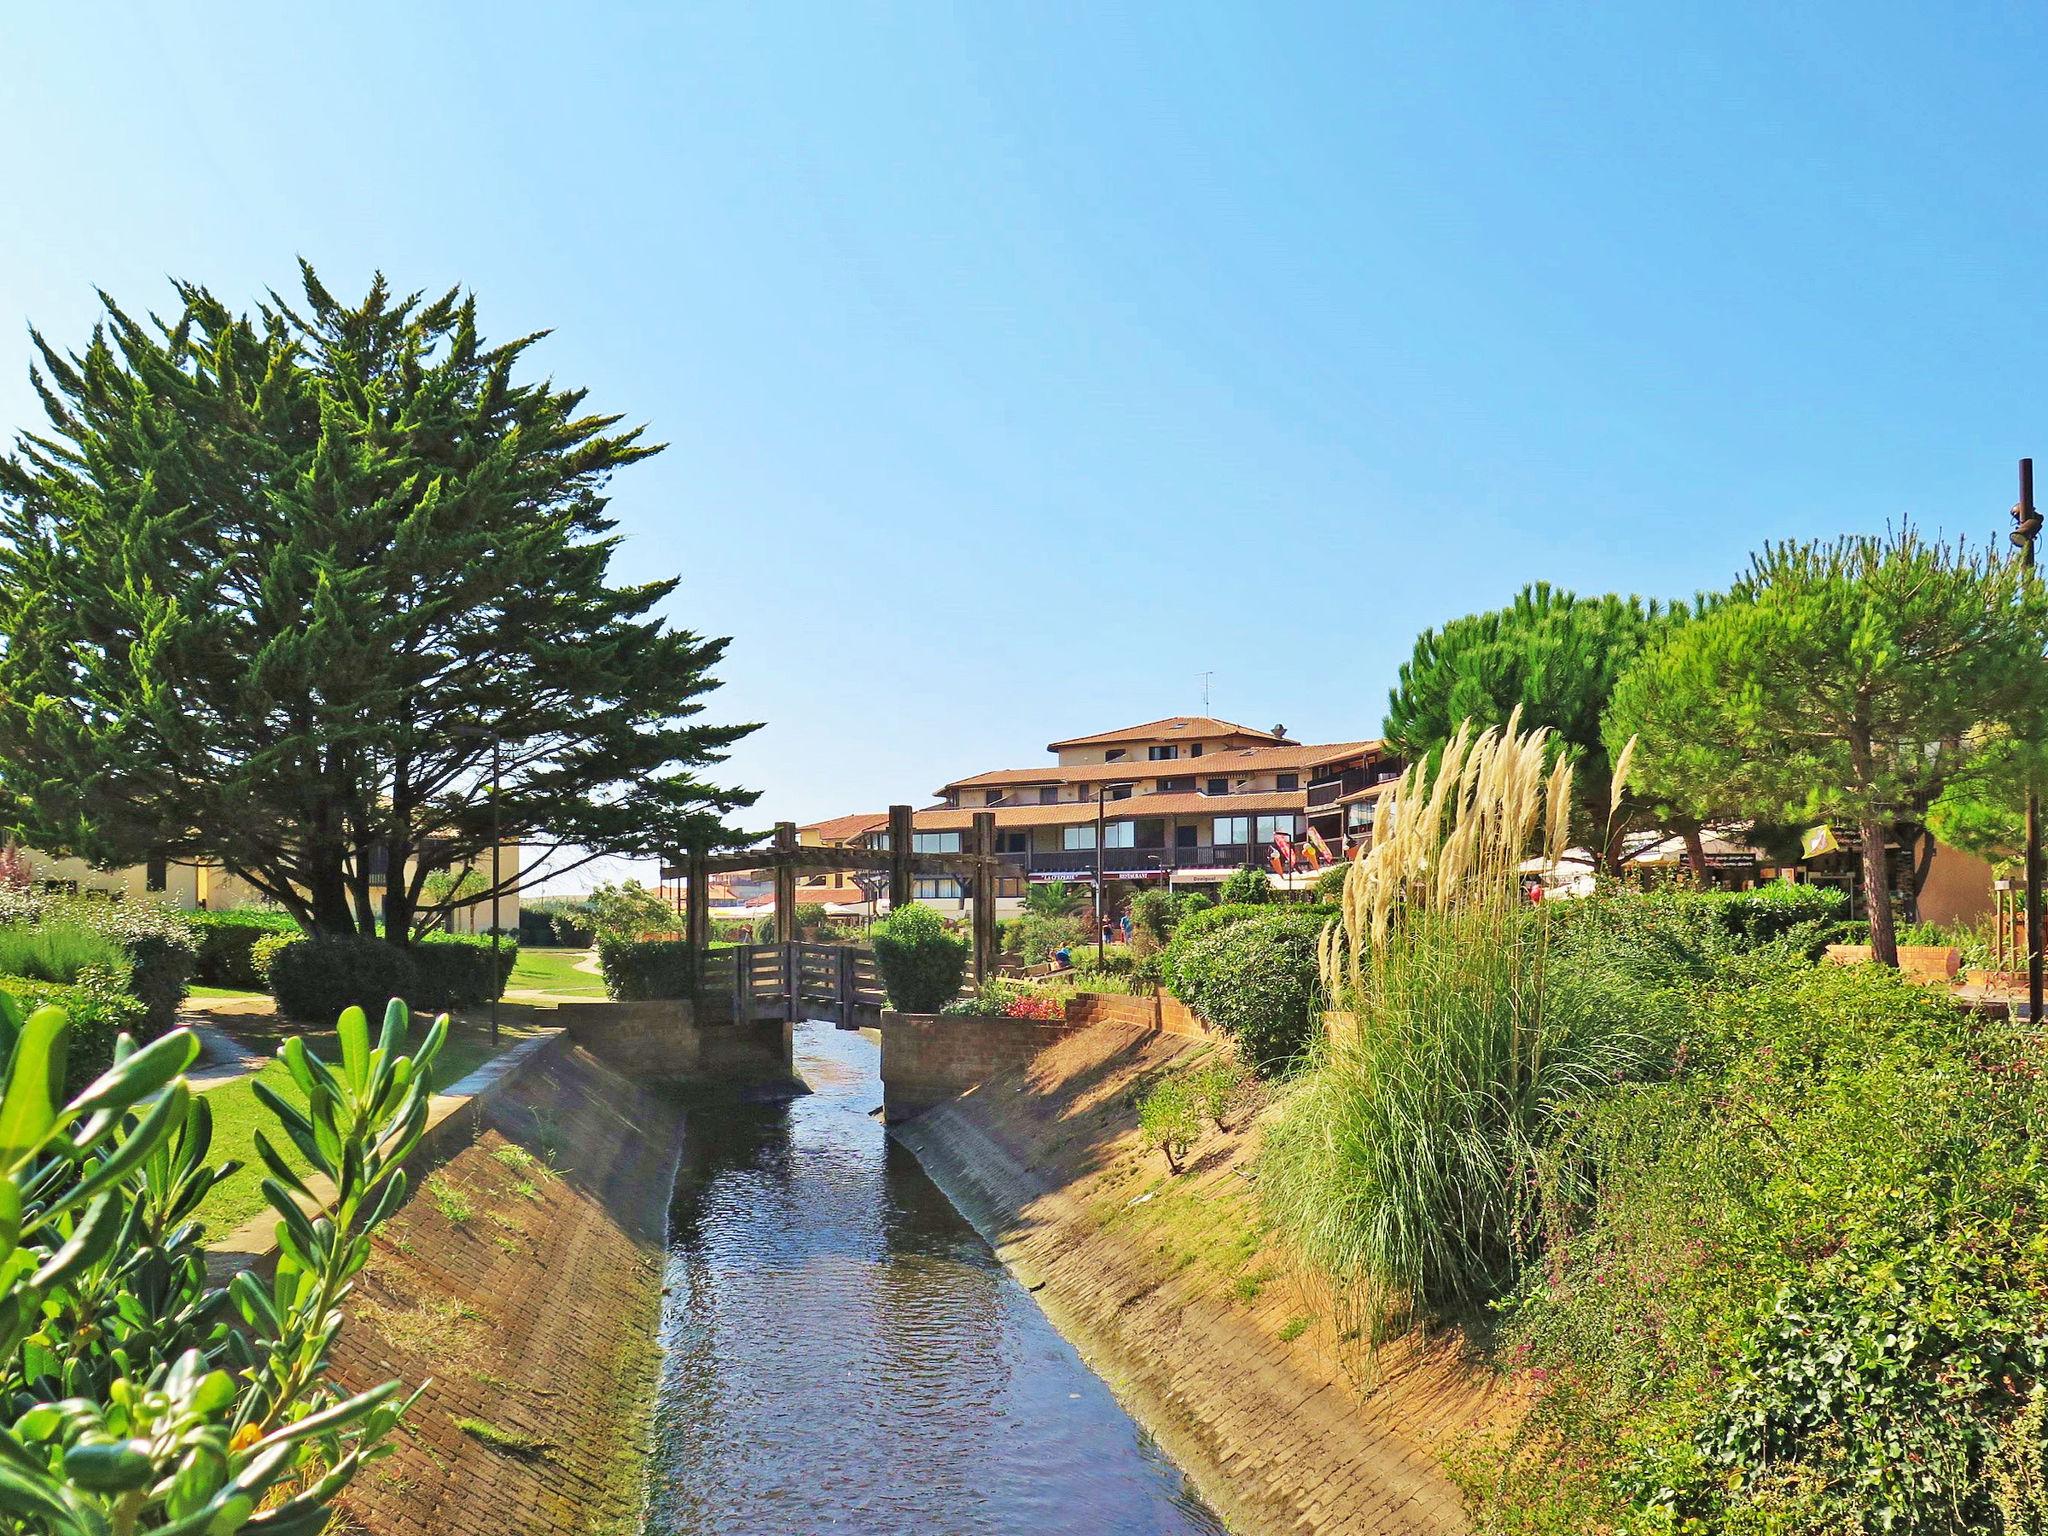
point(1816, 841)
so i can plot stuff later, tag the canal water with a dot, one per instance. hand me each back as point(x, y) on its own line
point(844, 1353)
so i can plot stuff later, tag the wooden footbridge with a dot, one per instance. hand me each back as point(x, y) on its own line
point(789, 979)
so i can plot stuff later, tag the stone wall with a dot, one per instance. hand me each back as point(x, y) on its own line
point(523, 1278)
point(1247, 1369)
point(662, 1040)
point(928, 1058)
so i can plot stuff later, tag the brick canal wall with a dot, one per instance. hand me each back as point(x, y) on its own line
point(1249, 1372)
point(524, 1277)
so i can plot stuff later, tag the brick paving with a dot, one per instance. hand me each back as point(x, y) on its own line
point(1304, 1434)
point(530, 1294)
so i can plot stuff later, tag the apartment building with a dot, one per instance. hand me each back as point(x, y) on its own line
point(1186, 800)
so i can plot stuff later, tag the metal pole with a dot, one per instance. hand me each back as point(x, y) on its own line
point(2023, 535)
point(1100, 791)
point(497, 853)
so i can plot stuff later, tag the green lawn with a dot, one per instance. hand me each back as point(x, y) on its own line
point(554, 970)
point(196, 990)
point(237, 1115)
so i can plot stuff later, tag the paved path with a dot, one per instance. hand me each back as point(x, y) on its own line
point(222, 1058)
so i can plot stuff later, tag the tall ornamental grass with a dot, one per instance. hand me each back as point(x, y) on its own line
point(1409, 1158)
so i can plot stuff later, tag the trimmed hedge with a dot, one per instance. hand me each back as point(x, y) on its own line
point(920, 961)
point(100, 1008)
point(227, 945)
point(1255, 978)
point(643, 970)
point(455, 969)
point(313, 980)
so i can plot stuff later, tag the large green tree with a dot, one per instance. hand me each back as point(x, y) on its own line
point(1858, 681)
point(271, 586)
point(1556, 657)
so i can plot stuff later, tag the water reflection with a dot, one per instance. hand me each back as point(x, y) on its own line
point(845, 1354)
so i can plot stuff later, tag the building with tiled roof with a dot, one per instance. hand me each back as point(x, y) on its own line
point(1187, 800)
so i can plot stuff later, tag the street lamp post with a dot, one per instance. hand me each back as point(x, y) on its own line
point(497, 855)
point(2027, 524)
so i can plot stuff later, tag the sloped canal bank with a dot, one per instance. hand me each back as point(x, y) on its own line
point(843, 1352)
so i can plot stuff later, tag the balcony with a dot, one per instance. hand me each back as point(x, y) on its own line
point(1128, 862)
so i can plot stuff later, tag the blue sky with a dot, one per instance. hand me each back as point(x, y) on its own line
point(1020, 363)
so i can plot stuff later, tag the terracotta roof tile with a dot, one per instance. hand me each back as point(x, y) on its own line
point(1193, 727)
point(841, 829)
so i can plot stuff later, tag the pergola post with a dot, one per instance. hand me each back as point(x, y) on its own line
point(899, 857)
point(984, 851)
point(696, 900)
point(785, 882)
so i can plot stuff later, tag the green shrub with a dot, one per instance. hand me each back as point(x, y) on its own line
point(1329, 884)
point(156, 939)
point(1036, 938)
point(141, 1397)
point(1208, 920)
point(1168, 1121)
point(1813, 1292)
point(556, 920)
point(643, 970)
point(57, 951)
point(454, 969)
point(920, 961)
point(265, 950)
point(1249, 884)
point(1256, 979)
point(101, 1009)
point(1214, 1089)
point(315, 979)
point(227, 944)
point(1157, 913)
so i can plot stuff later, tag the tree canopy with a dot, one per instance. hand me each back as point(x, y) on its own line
point(1857, 681)
point(271, 585)
point(1554, 655)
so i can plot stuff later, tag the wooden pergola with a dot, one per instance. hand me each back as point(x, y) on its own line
point(786, 859)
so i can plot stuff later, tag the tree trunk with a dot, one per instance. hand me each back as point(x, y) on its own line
point(327, 896)
point(1877, 895)
point(1696, 852)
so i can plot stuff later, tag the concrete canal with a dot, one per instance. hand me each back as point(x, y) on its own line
point(843, 1353)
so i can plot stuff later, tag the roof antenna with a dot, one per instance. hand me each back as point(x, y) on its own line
point(1206, 676)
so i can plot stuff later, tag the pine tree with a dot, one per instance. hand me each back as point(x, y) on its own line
point(1556, 657)
point(1860, 681)
point(263, 579)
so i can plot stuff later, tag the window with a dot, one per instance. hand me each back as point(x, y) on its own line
point(1113, 755)
point(945, 888)
point(1219, 786)
point(1077, 837)
point(1119, 791)
point(1231, 829)
point(1280, 781)
point(1049, 794)
point(1185, 834)
point(1268, 825)
point(1195, 750)
point(156, 874)
point(1165, 754)
point(935, 842)
point(995, 797)
point(1359, 816)
point(1013, 842)
point(1176, 786)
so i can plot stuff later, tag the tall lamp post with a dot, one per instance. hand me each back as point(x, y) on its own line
point(497, 854)
point(1101, 792)
point(2026, 525)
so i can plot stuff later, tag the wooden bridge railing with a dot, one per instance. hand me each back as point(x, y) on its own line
point(749, 982)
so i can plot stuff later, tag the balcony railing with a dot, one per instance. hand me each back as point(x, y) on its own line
point(1132, 861)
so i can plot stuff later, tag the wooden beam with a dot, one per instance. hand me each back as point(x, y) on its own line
point(840, 860)
point(697, 899)
point(899, 857)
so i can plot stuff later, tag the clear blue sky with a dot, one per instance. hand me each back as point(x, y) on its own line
point(1020, 363)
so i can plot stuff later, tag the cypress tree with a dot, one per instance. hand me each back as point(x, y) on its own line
point(258, 570)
